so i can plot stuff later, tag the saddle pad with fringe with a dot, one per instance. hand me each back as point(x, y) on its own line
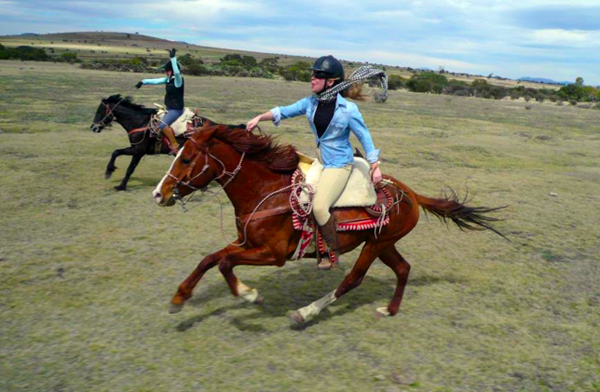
point(180, 125)
point(359, 190)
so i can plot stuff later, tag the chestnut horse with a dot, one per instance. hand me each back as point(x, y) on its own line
point(255, 173)
point(135, 119)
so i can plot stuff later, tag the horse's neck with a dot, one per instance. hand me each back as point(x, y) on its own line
point(131, 119)
point(252, 184)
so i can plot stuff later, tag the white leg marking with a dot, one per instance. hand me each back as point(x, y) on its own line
point(248, 294)
point(315, 308)
point(160, 184)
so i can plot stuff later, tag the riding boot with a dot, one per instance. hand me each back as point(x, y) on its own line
point(173, 145)
point(330, 236)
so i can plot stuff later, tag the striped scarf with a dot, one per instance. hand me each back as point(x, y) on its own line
point(363, 73)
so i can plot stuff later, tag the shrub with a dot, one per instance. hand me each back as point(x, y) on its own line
point(236, 60)
point(270, 64)
point(24, 53)
point(69, 57)
point(395, 82)
point(297, 71)
point(187, 59)
point(427, 82)
point(196, 69)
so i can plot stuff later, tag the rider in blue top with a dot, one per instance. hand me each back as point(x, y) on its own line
point(173, 97)
point(331, 118)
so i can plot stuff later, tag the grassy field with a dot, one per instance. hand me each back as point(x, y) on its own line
point(86, 273)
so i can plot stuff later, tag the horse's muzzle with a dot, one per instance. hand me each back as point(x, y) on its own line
point(161, 201)
point(96, 128)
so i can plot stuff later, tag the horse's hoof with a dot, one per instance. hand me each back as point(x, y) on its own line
point(120, 188)
point(175, 308)
point(107, 175)
point(382, 312)
point(296, 317)
point(259, 300)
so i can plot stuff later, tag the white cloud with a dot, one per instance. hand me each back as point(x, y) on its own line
point(418, 60)
point(563, 37)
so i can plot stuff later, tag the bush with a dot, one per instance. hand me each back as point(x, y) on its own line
point(395, 82)
point(188, 59)
point(427, 82)
point(69, 57)
point(297, 71)
point(24, 53)
point(196, 69)
point(236, 60)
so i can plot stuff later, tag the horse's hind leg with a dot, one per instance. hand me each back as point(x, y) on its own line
point(255, 256)
point(184, 291)
point(401, 268)
point(368, 254)
point(134, 162)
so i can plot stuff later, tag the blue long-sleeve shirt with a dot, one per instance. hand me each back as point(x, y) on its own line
point(336, 150)
point(176, 75)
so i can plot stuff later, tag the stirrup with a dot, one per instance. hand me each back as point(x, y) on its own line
point(324, 264)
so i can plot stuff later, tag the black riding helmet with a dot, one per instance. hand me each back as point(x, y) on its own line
point(169, 67)
point(328, 67)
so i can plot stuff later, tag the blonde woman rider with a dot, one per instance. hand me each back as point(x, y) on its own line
point(331, 120)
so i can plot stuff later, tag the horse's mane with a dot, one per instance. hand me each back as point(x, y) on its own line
point(262, 148)
point(128, 102)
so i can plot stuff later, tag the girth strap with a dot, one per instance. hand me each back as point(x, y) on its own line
point(263, 214)
point(136, 130)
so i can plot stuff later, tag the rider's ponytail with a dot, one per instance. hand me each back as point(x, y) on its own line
point(355, 92)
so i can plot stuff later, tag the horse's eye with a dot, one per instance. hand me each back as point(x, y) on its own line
point(185, 161)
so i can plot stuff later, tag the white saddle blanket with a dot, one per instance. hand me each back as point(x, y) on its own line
point(180, 125)
point(359, 190)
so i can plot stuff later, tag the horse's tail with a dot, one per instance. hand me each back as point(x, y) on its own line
point(465, 217)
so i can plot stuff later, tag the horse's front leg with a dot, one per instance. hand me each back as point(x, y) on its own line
point(110, 168)
point(255, 256)
point(184, 292)
point(134, 162)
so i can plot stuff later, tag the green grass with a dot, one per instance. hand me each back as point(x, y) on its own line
point(86, 273)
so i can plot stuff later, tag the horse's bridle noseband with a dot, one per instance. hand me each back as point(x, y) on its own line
point(108, 114)
point(180, 181)
point(204, 150)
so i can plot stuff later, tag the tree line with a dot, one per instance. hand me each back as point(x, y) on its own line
point(248, 66)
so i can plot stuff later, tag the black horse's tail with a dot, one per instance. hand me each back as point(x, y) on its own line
point(465, 217)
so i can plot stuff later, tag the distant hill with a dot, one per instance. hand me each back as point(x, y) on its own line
point(117, 46)
point(542, 80)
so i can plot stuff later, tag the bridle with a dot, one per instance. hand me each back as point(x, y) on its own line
point(108, 114)
point(190, 170)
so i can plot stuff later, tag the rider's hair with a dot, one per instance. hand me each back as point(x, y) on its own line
point(355, 92)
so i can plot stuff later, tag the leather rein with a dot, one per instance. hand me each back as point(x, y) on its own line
point(108, 114)
point(189, 171)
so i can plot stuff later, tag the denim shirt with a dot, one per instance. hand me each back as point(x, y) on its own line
point(336, 150)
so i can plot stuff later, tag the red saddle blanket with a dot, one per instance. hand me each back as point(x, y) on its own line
point(374, 217)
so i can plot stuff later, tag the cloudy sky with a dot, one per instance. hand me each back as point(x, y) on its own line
point(556, 39)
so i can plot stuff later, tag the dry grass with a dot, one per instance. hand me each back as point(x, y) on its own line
point(86, 273)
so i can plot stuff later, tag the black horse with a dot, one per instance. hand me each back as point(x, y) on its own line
point(136, 121)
